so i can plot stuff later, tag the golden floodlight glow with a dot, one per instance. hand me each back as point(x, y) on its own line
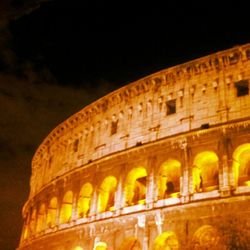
point(40, 219)
point(25, 232)
point(135, 187)
point(106, 196)
point(169, 179)
point(83, 205)
point(78, 248)
point(52, 212)
point(205, 171)
point(241, 165)
point(166, 241)
point(66, 209)
point(101, 246)
point(162, 163)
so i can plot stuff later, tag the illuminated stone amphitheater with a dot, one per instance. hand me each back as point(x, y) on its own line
point(162, 163)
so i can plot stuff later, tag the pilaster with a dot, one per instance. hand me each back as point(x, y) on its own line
point(119, 196)
point(224, 146)
point(185, 180)
point(93, 206)
point(150, 183)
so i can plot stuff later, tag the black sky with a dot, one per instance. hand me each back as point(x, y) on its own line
point(57, 58)
point(97, 40)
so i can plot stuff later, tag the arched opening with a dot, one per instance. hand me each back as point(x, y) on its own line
point(135, 186)
point(40, 225)
point(205, 172)
point(241, 165)
point(169, 179)
point(130, 243)
point(51, 214)
point(206, 237)
point(101, 246)
point(66, 208)
point(32, 223)
point(166, 241)
point(106, 197)
point(83, 204)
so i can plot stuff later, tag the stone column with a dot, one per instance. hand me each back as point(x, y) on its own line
point(74, 207)
point(224, 146)
point(231, 177)
point(93, 207)
point(59, 202)
point(119, 196)
point(158, 222)
point(224, 181)
point(150, 189)
point(185, 180)
point(145, 242)
point(142, 231)
point(44, 226)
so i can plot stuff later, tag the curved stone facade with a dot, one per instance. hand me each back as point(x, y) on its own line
point(162, 163)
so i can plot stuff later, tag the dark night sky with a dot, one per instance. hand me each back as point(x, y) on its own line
point(57, 58)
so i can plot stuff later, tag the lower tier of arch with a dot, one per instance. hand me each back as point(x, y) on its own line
point(222, 223)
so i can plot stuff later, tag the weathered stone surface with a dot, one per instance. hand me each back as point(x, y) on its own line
point(161, 162)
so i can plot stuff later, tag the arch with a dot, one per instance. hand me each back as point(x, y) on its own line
point(166, 241)
point(241, 165)
point(40, 224)
point(130, 243)
point(66, 207)
point(51, 213)
point(169, 179)
point(206, 237)
point(106, 197)
point(135, 186)
point(32, 223)
point(101, 246)
point(84, 199)
point(205, 172)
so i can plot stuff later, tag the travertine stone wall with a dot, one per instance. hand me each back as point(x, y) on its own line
point(198, 108)
point(204, 91)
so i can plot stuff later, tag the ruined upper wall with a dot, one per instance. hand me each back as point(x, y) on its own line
point(194, 95)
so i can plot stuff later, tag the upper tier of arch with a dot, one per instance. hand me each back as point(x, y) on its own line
point(195, 95)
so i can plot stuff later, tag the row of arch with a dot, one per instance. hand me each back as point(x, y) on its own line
point(205, 177)
point(205, 237)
